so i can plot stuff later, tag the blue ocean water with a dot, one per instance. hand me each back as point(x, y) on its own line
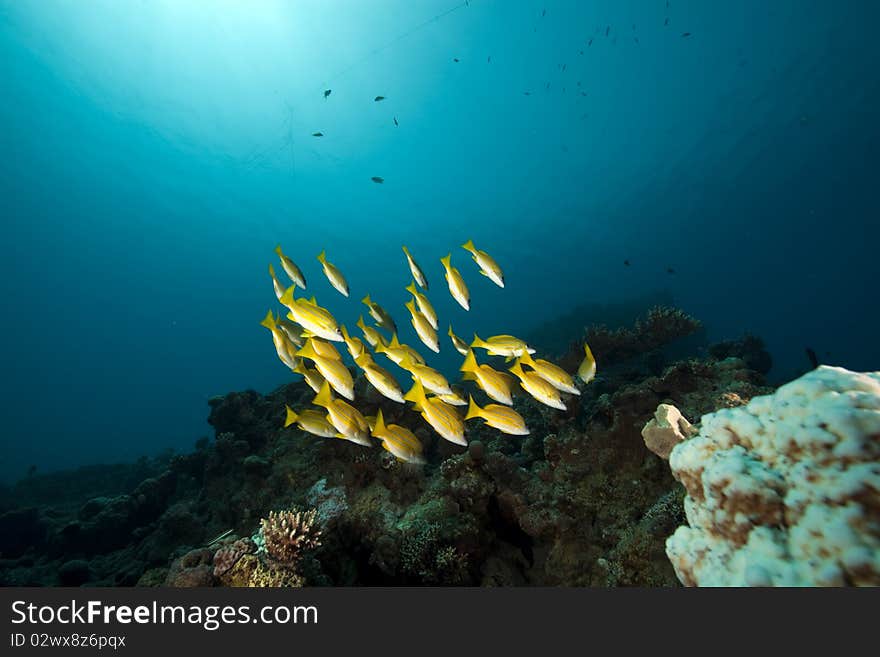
point(155, 152)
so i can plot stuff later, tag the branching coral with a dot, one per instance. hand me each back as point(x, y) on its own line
point(785, 490)
point(659, 327)
point(288, 533)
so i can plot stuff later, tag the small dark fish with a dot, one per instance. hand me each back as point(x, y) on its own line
point(527, 93)
point(583, 93)
point(317, 134)
point(547, 86)
point(634, 27)
point(395, 121)
point(489, 59)
point(377, 179)
point(327, 92)
point(543, 13)
point(811, 355)
point(607, 30)
point(563, 89)
point(670, 270)
point(666, 22)
point(580, 52)
point(590, 43)
point(636, 38)
point(626, 263)
point(378, 98)
point(684, 35)
point(563, 67)
point(579, 83)
point(455, 59)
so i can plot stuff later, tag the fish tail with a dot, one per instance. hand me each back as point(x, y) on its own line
point(287, 297)
point(449, 332)
point(478, 342)
point(279, 251)
point(323, 398)
point(411, 288)
point(526, 358)
point(322, 257)
point(517, 368)
point(366, 300)
point(411, 306)
point(469, 246)
point(268, 321)
point(447, 260)
point(470, 362)
point(379, 427)
point(473, 409)
point(271, 270)
point(394, 342)
point(360, 323)
point(416, 395)
point(291, 416)
point(308, 350)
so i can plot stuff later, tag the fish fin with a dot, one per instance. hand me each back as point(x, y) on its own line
point(269, 321)
point(379, 426)
point(446, 260)
point(360, 323)
point(291, 416)
point(307, 350)
point(411, 288)
point(322, 257)
point(517, 369)
point(449, 332)
point(478, 342)
point(313, 301)
point(271, 270)
point(324, 397)
point(287, 298)
point(279, 251)
point(416, 395)
point(483, 273)
point(366, 300)
point(469, 246)
point(411, 306)
point(394, 342)
point(345, 333)
point(473, 409)
point(470, 362)
point(468, 376)
point(526, 358)
point(406, 251)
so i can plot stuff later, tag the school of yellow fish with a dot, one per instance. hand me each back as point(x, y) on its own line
point(304, 338)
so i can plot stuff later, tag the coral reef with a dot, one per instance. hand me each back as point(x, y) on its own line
point(665, 430)
point(579, 501)
point(785, 490)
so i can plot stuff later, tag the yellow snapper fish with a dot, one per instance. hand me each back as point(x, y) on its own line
point(379, 378)
point(552, 374)
point(460, 345)
point(291, 269)
point(314, 319)
point(456, 397)
point(587, 368)
point(283, 347)
point(423, 328)
point(502, 345)
point(322, 347)
point(276, 284)
point(537, 387)
point(488, 267)
point(293, 332)
point(398, 440)
point(495, 384)
point(427, 376)
point(442, 417)
point(313, 378)
point(310, 421)
point(417, 272)
point(345, 417)
point(377, 312)
point(334, 371)
point(424, 305)
point(371, 335)
point(333, 274)
point(457, 287)
point(396, 352)
point(355, 345)
point(503, 418)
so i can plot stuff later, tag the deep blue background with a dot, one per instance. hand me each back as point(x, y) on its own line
point(153, 154)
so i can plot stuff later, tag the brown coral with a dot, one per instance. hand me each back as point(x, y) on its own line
point(288, 533)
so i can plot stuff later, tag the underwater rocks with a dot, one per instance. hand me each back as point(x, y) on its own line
point(580, 501)
point(784, 491)
point(665, 430)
